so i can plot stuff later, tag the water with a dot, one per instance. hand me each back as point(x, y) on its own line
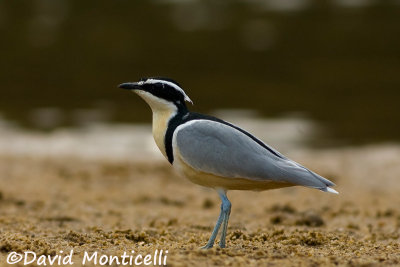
point(335, 63)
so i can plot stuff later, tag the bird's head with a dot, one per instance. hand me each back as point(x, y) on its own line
point(159, 93)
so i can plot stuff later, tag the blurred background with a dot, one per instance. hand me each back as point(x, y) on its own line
point(333, 64)
point(319, 80)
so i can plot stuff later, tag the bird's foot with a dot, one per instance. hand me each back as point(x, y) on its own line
point(207, 246)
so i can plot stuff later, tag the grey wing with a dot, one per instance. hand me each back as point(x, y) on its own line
point(222, 150)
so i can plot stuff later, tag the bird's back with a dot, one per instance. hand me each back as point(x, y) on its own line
point(212, 146)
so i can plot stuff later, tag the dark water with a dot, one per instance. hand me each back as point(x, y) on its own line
point(336, 62)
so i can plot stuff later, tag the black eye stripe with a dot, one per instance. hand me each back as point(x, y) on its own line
point(164, 91)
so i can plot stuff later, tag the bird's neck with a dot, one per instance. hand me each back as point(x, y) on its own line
point(161, 118)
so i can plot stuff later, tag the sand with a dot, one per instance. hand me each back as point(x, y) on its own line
point(53, 204)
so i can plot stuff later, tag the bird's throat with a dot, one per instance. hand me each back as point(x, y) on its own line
point(161, 119)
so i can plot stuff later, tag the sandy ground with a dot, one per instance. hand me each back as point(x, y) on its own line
point(54, 204)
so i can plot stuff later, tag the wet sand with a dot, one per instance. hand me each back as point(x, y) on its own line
point(53, 204)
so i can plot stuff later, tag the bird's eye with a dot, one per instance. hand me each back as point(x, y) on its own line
point(158, 86)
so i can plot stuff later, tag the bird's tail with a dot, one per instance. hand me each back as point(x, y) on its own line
point(329, 190)
point(326, 182)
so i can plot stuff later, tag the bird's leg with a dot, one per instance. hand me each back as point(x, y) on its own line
point(226, 210)
point(210, 242)
point(223, 217)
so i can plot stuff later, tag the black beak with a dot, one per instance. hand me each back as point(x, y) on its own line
point(129, 86)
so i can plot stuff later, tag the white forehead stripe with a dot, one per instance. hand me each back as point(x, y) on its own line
point(153, 81)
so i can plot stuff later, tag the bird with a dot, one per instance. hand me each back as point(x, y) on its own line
point(214, 153)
